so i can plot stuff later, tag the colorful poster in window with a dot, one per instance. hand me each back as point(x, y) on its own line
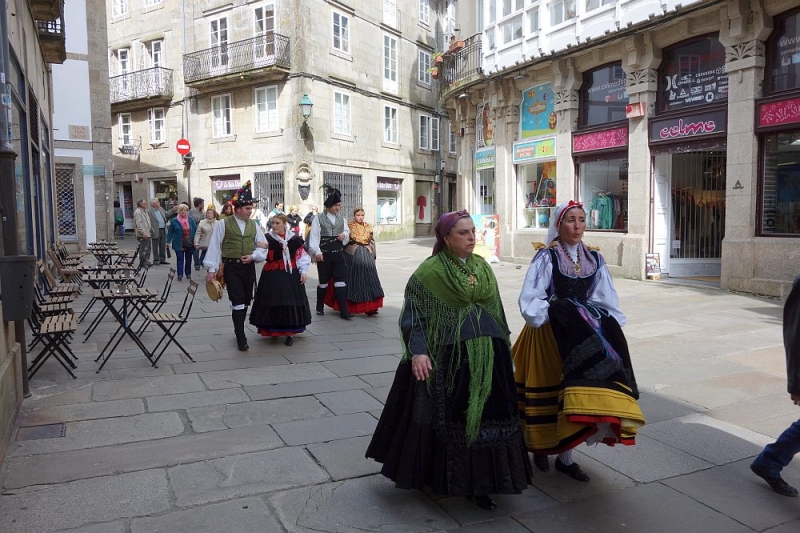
point(537, 116)
point(693, 74)
point(487, 237)
point(484, 126)
point(785, 53)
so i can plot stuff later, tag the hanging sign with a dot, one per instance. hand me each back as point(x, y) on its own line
point(484, 158)
point(600, 140)
point(537, 116)
point(689, 126)
point(183, 147)
point(525, 151)
point(779, 113)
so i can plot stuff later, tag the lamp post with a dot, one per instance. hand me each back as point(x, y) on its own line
point(305, 107)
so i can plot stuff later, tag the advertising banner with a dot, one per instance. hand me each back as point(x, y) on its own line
point(537, 116)
point(694, 74)
point(526, 151)
point(484, 158)
point(487, 240)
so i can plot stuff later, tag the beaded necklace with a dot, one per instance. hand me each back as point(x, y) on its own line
point(472, 279)
point(576, 263)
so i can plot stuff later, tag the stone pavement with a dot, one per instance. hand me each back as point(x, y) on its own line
point(273, 440)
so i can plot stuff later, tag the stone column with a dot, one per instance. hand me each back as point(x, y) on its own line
point(743, 31)
point(566, 82)
point(507, 99)
point(465, 111)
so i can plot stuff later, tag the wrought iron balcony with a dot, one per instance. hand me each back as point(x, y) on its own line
point(52, 39)
point(141, 88)
point(461, 68)
point(261, 57)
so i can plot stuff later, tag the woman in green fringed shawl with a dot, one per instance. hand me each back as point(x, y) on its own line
point(450, 421)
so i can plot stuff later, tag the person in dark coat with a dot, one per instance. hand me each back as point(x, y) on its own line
point(180, 235)
point(779, 454)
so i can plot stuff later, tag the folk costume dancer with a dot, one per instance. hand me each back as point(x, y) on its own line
point(234, 244)
point(328, 234)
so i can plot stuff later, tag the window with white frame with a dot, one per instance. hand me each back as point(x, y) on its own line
point(341, 32)
point(155, 53)
point(389, 63)
point(424, 11)
point(266, 99)
point(453, 140)
point(125, 129)
point(511, 29)
point(533, 17)
point(221, 125)
point(264, 31)
point(512, 6)
point(149, 3)
point(492, 11)
point(341, 113)
point(123, 56)
point(218, 36)
point(390, 12)
point(428, 132)
point(158, 133)
point(594, 4)
point(390, 124)
point(561, 10)
point(424, 74)
point(119, 7)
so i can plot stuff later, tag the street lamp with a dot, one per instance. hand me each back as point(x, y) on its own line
point(305, 107)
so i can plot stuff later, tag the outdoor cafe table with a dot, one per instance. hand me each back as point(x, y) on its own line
point(134, 297)
point(100, 279)
point(84, 269)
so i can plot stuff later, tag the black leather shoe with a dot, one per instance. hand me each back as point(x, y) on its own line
point(347, 316)
point(320, 313)
point(574, 471)
point(484, 502)
point(541, 462)
point(776, 483)
point(242, 343)
point(289, 341)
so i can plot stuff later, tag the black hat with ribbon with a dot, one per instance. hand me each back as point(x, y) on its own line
point(244, 196)
point(333, 196)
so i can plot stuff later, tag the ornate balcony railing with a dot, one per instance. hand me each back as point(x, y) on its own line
point(149, 83)
point(462, 67)
point(52, 39)
point(263, 51)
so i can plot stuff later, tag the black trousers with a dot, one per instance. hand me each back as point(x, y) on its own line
point(240, 279)
point(333, 266)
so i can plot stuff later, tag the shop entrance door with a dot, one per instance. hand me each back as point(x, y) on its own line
point(662, 210)
point(698, 214)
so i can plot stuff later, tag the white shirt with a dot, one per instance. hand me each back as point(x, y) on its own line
point(214, 254)
point(533, 302)
point(313, 237)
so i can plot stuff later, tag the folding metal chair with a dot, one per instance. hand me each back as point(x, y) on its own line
point(52, 286)
point(40, 313)
point(54, 332)
point(157, 303)
point(67, 274)
point(171, 323)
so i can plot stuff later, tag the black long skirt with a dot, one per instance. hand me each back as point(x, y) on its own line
point(421, 436)
point(280, 306)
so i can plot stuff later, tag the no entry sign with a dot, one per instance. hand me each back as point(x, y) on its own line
point(183, 147)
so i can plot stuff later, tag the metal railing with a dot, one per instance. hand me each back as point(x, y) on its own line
point(147, 83)
point(462, 67)
point(270, 50)
point(51, 28)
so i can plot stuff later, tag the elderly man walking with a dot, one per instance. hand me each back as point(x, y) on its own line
point(143, 230)
point(158, 231)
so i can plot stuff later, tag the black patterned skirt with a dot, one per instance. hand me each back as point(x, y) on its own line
point(280, 306)
point(421, 436)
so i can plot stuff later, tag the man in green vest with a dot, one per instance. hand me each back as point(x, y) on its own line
point(234, 244)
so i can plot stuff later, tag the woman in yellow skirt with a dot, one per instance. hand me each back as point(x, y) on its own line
point(575, 382)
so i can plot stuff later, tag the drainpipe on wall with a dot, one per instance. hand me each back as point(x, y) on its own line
point(185, 110)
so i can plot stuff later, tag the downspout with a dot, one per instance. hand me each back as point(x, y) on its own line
point(185, 108)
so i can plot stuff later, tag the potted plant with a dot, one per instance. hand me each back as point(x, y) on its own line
point(438, 58)
point(434, 72)
point(455, 45)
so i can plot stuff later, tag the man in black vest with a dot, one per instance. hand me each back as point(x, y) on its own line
point(329, 232)
point(234, 244)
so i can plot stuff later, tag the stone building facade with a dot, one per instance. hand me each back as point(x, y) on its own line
point(229, 77)
point(673, 122)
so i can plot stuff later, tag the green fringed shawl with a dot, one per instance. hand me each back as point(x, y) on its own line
point(441, 298)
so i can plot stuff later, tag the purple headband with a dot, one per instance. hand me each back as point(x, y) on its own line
point(443, 226)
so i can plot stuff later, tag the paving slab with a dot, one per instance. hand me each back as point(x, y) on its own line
point(709, 439)
point(657, 407)
point(87, 501)
point(726, 389)
point(104, 432)
point(466, 513)
point(496, 525)
point(106, 527)
point(348, 402)
point(562, 488)
point(303, 388)
point(344, 459)
point(244, 475)
point(231, 363)
point(652, 508)
point(649, 460)
point(365, 504)
point(254, 413)
point(326, 429)
point(365, 365)
point(326, 353)
point(735, 491)
point(769, 415)
point(173, 402)
point(49, 395)
point(81, 411)
point(246, 515)
point(379, 380)
point(263, 376)
point(141, 387)
point(163, 369)
point(25, 471)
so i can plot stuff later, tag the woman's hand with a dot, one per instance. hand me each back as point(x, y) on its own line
point(421, 367)
point(263, 245)
point(302, 278)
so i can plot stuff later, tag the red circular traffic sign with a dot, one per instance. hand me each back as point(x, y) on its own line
point(183, 147)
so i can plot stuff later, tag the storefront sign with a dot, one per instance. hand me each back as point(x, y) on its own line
point(484, 158)
point(689, 126)
point(226, 183)
point(389, 184)
point(537, 116)
point(779, 113)
point(600, 140)
point(694, 74)
point(79, 133)
point(487, 237)
point(525, 151)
